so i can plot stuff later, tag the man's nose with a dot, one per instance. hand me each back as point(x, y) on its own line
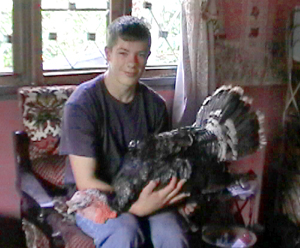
point(133, 60)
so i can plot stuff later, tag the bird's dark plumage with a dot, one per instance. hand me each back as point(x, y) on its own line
point(225, 129)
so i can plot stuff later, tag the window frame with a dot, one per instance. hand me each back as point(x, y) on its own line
point(27, 44)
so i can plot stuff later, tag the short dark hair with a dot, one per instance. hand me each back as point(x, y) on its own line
point(128, 28)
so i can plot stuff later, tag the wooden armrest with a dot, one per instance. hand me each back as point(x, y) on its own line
point(21, 154)
point(21, 150)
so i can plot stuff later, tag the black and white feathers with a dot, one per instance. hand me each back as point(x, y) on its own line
point(225, 129)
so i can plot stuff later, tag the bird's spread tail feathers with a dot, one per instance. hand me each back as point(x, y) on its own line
point(227, 114)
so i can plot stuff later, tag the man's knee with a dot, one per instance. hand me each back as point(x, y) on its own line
point(128, 231)
point(167, 231)
point(169, 239)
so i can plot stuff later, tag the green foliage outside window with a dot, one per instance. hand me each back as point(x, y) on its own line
point(6, 62)
point(75, 38)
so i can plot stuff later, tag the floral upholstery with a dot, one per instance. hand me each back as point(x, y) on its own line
point(73, 236)
point(42, 110)
point(34, 236)
point(50, 169)
point(233, 64)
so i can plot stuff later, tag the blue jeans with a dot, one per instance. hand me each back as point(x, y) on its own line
point(161, 230)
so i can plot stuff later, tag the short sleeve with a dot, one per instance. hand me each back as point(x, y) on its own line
point(77, 131)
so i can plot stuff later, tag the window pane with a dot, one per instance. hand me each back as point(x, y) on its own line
point(6, 61)
point(55, 4)
point(74, 39)
point(79, 4)
point(93, 4)
point(163, 17)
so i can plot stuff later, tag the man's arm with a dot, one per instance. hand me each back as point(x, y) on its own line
point(150, 199)
point(84, 172)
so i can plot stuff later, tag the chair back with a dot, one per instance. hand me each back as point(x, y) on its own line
point(42, 110)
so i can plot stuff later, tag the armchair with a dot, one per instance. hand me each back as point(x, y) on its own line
point(41, 170)
point(41, 173)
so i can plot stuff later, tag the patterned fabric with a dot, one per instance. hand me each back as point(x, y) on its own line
point(192, 85)
point(42, 109)
point(50, 169)
point(79, 240)
point(234, 66)
point(34, 236)
point(72, 235)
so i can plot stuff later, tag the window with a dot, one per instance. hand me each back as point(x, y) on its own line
point(163, 18)
point(74, 33)
point(6, 54)
point(79, 43)
point(43, 38)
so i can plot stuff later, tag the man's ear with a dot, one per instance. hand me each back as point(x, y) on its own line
point(107, 53)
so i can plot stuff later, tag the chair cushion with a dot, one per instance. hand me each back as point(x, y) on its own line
point(72, 235)
point(50, 168)
point(42, 110)
point(35, 238)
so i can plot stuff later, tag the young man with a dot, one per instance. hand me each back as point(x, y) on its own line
point(100, 119)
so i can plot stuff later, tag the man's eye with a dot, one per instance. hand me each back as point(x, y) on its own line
point(143, 55)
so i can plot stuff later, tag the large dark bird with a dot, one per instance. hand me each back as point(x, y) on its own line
point(225, 129)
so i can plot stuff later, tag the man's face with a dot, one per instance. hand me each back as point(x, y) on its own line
point(127, 61)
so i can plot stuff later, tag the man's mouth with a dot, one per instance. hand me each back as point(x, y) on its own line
point(130, 74)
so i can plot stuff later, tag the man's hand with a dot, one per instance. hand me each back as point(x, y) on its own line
point(151, 200)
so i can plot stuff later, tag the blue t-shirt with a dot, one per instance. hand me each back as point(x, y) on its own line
point(97, 125)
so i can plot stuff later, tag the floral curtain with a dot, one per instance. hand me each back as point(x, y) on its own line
point(192, 80)
point(246, 58)
point(251, 54)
